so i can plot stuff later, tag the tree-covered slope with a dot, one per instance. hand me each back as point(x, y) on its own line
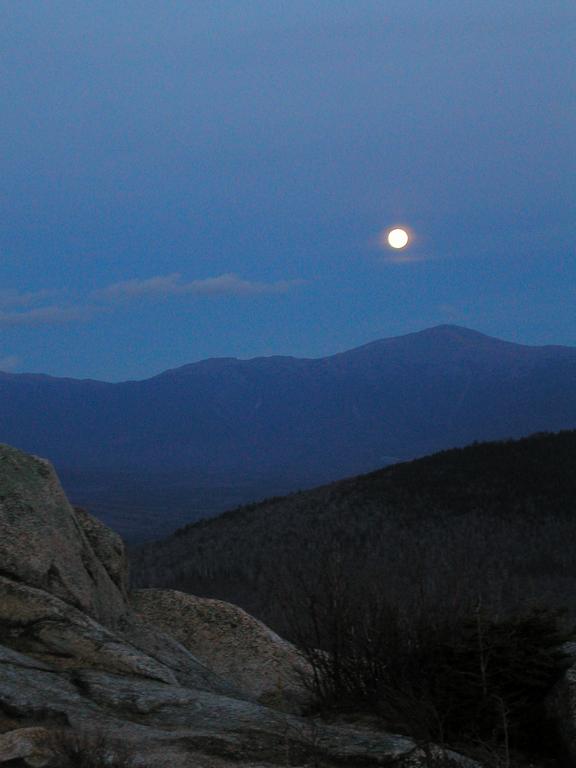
point(492, 520)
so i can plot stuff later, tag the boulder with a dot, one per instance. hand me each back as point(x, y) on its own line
point(231, 643)
point(43, 544)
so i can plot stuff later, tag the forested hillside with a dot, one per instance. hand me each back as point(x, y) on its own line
point(491, 523)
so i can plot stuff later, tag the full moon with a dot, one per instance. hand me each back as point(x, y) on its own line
point(397, 238)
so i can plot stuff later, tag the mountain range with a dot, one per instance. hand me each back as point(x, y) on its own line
point(147, 456)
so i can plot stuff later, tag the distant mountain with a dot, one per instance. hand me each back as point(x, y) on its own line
point(492, 523)
point(148, 455)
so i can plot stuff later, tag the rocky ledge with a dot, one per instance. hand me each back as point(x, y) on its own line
point(180, 680)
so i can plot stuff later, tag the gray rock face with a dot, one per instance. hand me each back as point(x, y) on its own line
point(48, 629)
point(232, 643)
point(73, 654)
point(24, 744)
point(108, 548)
point(43, 544)
point(156, 716)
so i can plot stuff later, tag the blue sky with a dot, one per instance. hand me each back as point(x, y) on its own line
point(188, 179)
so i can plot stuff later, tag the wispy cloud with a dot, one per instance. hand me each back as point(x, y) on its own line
point(10, 299)
point(163, 286)
point(17, 309)
point(9, 363)
point(45, 316)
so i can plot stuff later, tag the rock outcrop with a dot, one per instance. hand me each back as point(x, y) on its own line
point(44, 545)
point(75, 655)
point(231, 643)
point(107, 546)
point(28, 744)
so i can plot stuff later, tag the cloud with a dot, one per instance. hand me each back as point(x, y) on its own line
point(232, 285)
point(132, 289)
point(15, 299)
point(17, 309)
point(9, 363)
point(162, 286)
point(52, 315)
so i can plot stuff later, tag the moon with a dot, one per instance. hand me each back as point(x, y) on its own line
point(397, 238)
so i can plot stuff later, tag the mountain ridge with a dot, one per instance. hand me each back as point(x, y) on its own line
point(229, 431)
point(436, 331)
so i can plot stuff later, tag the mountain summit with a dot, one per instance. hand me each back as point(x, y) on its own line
point(198, 439)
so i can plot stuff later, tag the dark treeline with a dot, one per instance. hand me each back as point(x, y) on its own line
point(493, 522)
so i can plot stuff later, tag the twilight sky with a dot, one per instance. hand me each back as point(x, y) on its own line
point(188, 179)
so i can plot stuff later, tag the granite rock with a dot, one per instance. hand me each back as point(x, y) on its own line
point(232, 643)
